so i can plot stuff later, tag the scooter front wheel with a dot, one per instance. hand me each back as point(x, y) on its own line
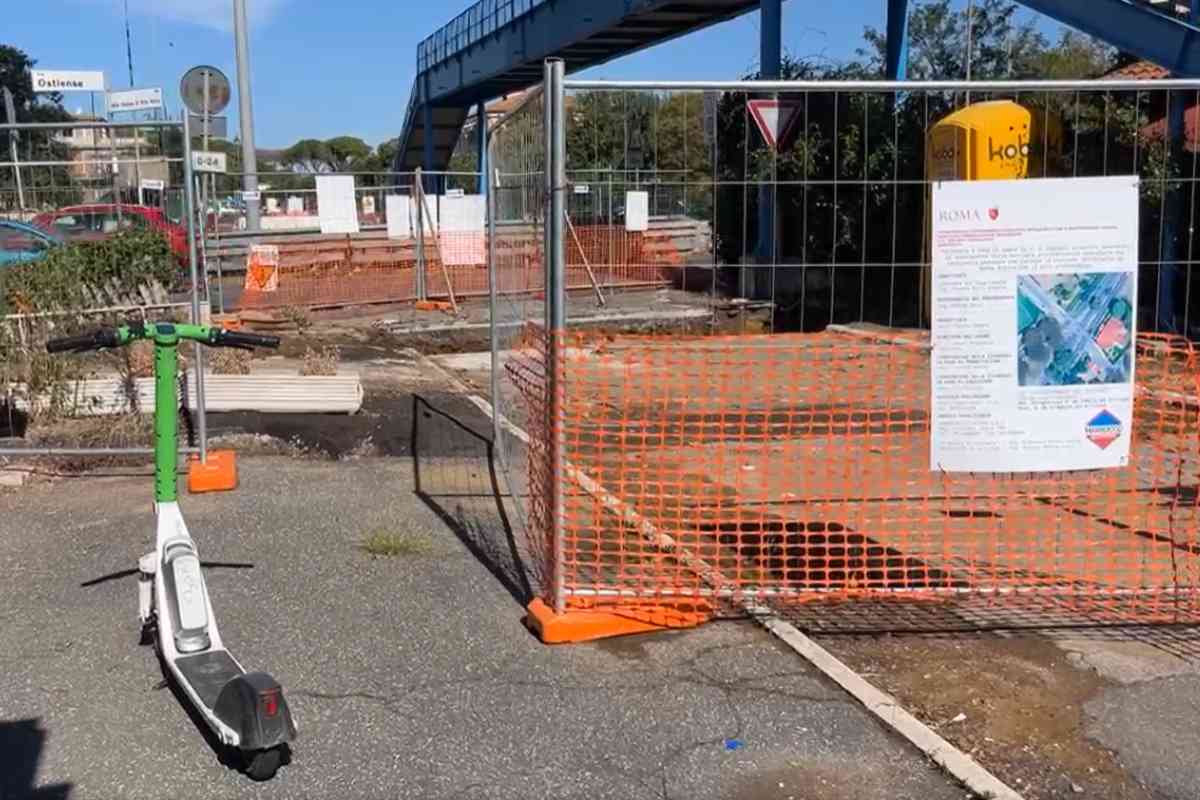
point(261, 765)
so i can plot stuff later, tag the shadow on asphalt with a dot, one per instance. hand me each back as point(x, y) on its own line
point(465, 492)
point(21, 745)
point(971, 618)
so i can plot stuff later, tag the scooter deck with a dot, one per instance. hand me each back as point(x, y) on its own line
point(208, 673)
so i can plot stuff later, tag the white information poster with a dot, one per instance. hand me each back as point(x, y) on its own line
point(463, 213)
point(1034, 324)
point(399, 216)
point(462, 223)
point(637, 211)
point(335, 204)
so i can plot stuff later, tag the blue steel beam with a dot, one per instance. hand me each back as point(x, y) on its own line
point(770, 67)
point(1171, 274)
point(427, 129)
point(583, 32)
point(494, 53)
point(897, 40)
point(771, 39)
point(1134, 27)
point(481, 141)
point(497, 54)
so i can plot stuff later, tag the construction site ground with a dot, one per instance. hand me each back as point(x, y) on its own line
point(433, 687)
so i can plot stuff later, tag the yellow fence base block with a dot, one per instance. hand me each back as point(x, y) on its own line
point(587, 624)
point(218, 474)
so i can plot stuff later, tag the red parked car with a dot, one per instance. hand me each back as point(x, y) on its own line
point(101, 220)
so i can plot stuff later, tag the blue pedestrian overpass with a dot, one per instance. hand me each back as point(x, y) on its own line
point(497, 47)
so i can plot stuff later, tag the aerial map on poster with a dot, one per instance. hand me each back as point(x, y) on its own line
point(1034, 319)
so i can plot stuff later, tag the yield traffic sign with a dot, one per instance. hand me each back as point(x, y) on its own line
point(777, 120)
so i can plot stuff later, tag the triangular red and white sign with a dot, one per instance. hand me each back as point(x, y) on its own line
point(777, 121)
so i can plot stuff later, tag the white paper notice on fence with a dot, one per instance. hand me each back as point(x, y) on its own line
point(399, 216)
point(460, 227)
point(335, 204)
point(462, 213)
point(637, 211)
point(1034, 317)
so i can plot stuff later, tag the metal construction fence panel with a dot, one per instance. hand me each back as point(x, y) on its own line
point(435, 250)
point(517, 214)
point(97, 226)
point(784, 457)
point(383, 260)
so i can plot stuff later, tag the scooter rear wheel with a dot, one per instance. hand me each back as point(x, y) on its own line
point(261, 765)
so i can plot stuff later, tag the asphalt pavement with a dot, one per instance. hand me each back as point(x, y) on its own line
point(410, 676)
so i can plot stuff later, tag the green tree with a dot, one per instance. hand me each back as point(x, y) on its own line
point(15, 75)
point(385, 154)
point(308, 155)
point(44, 186)
point(348, 153)
point(340, 154)
point(1000, 46)
point(465, 159)
point(1075, 56)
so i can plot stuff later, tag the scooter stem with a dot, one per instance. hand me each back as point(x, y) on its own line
point(166, 414)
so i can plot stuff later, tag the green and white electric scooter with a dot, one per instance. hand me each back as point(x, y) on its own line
point(245, 710)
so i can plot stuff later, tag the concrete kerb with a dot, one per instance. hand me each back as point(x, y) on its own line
point(886, 708)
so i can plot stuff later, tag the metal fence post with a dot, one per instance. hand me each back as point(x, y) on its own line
point(189, 210)
point(1166, 320)
point(11, 114)
point(419, 198)
point(493, 307)
point(556, 183)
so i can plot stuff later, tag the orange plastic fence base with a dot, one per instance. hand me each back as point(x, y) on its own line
point(433, 305)
point(605, 622)
point(218, 475)
point(229, 322)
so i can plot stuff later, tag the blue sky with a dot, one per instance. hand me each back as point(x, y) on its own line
point(323, 69)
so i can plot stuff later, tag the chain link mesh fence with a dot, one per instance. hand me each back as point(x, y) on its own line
point(95, 229)
point(517, 265)
point(783, 455)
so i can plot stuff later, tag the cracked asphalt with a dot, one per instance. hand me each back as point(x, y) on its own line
point(410, 676)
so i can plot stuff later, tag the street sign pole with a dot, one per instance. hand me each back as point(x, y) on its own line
point(11, 110)
point(206, 182)
point(137, 165)
point(246, 114)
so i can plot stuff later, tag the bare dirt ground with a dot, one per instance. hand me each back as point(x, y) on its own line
point(1032, 710)
point(1015, 705)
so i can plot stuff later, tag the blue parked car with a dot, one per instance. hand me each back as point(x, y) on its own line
point(21, 243)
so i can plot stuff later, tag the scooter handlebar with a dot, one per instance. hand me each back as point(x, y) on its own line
point(98, 340)
point(113, 337)
point(238, 339)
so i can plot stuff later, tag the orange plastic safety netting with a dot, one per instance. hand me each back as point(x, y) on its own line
point(339, 272)
point(795, 468)
point(332, 272)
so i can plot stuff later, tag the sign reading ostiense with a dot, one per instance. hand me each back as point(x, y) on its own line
point(59, 80)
